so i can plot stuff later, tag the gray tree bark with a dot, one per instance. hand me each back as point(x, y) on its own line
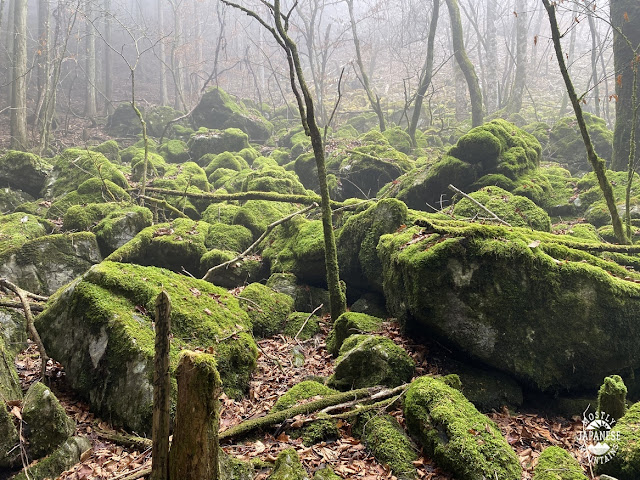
point(19, 140)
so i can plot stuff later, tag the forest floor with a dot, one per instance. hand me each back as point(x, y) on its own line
point(527, 432)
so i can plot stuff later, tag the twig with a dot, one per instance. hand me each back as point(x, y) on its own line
point(163, 203)
point(35, 307)
point(272, 358)
point(255, 304)
point(477, 203)
point(335, 107)
point(130, 441)
point(139, 472)
point(35, 336)
point(305, 322)
point(257, 242)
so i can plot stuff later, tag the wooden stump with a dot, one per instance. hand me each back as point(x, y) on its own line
point(194, 450)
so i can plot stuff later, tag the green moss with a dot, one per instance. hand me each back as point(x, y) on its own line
point(216, 141)
point(75, 166)
point(173, 245)
point(24, 171)
point(157, 118)
point(288, 467)
point(174, 151)
point(220, 213)
point(222, 160)
point(323, 429)
point(248, 154)
point(267, 309)
point(156, 166)
point(109, 149)
point(121, 225)
point(347, 324)
point(228, 237)
point(83, 217)
point(389, 444)
point(368, 360)
point(612, 397)
point(9, 438)
point(302, 391)
point(256, 215)
point(585, 232)
point(67, 455)
point(10, 389)
point(325, 474)
point(514, 209)
point(17, 228)
point(459, 438)
point(556, 463)
point(296, 320)
point(92, 190)
point(625, 436)
point(280, 156)
point(47, 421)
point(398, 139)
point(273, 179)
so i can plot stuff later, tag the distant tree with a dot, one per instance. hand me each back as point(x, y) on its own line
point(19, 140)
point(519, 83)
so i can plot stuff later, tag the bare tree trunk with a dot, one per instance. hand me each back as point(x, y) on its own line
point(90, 107)
point(108, 59)
point(457, 38)
point(515, 102)
point(572, 47)
point(43, 53)
point(9, 43)
point(597, 163)
point(492, 58)
point(164, 95)
point(194, 450)
point(374, 99)
point(426, 74)
point(594, 65)
point(161, 389)
point(18, 116)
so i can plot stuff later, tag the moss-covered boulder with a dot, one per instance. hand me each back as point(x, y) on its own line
point(347, 324)
point(9, 439)
point(175, 245)
point(556, 463)
point(301, 325)
point(566, 145)
point(174, 151)
point(212, 162)
point(121, 225)
point(205, 142)
point(91, 191)
point(624, 439)
point(220, 213)
point(288, 467)
point(248, 269)
point(100, 328)
point(65, 456)
point(75, 166)
point(110, 150)
point(371, 303)
point(13, 330)
point(297, 247)
point(45, 264)
point(11, 199)
point(273, 179)
point(368, 360)
point(228, 237)
point(18, 228)
point(495, 148)
point(388, 443)
point(302, 391)
point(398, 139)
point(513, 209)
point(10, 389)
point(267, 309)
point(157, 118)
point(458, 281)
point(217, 109)
point(358, 238)
point(256, 215)
point(306, 298)
point(124, 122)
point(24, 171)
point(459, 438)
point(325, 473)
point(48, 426)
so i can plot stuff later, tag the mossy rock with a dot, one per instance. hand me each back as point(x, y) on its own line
point(322, 429)
point(250, 155)
point(175, 245)
point(174, 151)
point(157, 166)
point(9, 439)
point(305, 168)
point(612, 397)
point(305, 298)
point(301, 320)
point(267, 309)
point(358, 238)
point(398, 139)
point(513, 209)
point(302, 391)
point(273, 179)
point(220, 213)
point(10, 390)
point(623, 439)
point(256, 215)
point(45, 264)
point(100, 328)
point(48, 426)
point(347, 324)
point(110, 150)
point(288, 467)
point(231, 468)
point(459, 285)
point(212, 162)
point(11, 199)
point(13, 333)
point(246, 270)
point(228, 237)
point(369, 360)
point(488, 389)
point(124, 122)
point(84, 217)
point(566, 145)
point(74, 166)
point(556, 463)
point(121, 225)
point(460, 439)
point(217, 109)
point(388, 443)
point(281, 157)
point(370, 303)
point(24, 171)
point(206, 141)
point(297, 247)
point(325, 473)
point(18, 228)
point(363, 122)
point(65, 456)
point(90, 191)
point(157, 118)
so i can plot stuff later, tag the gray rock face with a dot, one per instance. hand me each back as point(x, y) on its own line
point(47, 263)
point(24, 171)
point(9, 439)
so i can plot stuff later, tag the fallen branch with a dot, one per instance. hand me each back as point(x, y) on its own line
point(125, 440)
point(270, 227)
point(35, 307)
point(376, 396)
point(478, 204)
point(278, 417)
point(304, 324)
point(163, 203)
point(31, 329)
point(136, 473)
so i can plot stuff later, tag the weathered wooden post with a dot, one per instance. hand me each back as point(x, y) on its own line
point(194, 450)
point(161, 390)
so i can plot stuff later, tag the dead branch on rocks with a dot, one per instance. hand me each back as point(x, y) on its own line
point(478, 204)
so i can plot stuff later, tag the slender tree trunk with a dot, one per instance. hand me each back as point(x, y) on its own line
point(572, 47)
point(161, 389)
point(108, 59)
point(9, 43)
point(374, 99)
point(19, 140)
point(426, 74)
point(43, 53)
point(625, 17)
point(492, 58)
point(164, 95)
point(594, 65)
point(457, 38)
point(515, 102)
point(597, 163)
point(90, 107)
